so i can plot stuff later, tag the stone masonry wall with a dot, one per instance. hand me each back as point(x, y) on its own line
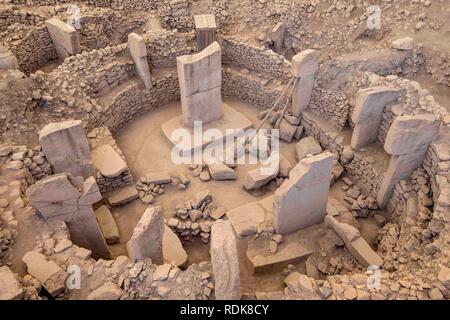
point(254, 58)
point(31, 45)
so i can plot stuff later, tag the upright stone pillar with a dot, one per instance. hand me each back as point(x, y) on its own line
point(60, 197)
point(205, 28)
point(64, 37)
point(277, 36)
point(304, 68)
point(225, 262)
point(407, 142)
point(301, 200)
point(147, 238)
point(138, 52)
point(369, 107)
point(200, 79)
point(67, 149)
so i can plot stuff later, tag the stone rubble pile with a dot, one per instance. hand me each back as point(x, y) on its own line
point(195, 217)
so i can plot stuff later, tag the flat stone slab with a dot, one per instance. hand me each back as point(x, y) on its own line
point(107, 225)
point(108, 161)
point(123, 196)
point(158, 177)
point(10, 288)
point(173, 251)
point(263, 261)
point(247, 218)
point(231, 119)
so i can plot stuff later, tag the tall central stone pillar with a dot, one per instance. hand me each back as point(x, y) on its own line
point(200, 79)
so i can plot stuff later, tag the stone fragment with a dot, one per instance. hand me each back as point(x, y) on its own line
point(123, 196)
point(405, 43)
point(107, 225)
point(51, 276)
point(108, 291)
point(147, 238)
point(224, 260)
point(158, 177)
point(10, 288)
point(307, 146)
point(260, 176)
point(220, 171)
point(173, 251)
point(108, 161)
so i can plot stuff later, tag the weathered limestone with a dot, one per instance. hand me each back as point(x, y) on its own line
point(147, 238)
point(205, 29)
point(158, 177)
point(108, 291)
point(123, 196)
point(64, 37)
point(407, 142)
point(58, 197)
point(107, 225)
point(247, 218)
point(220, 171)
point(67, 149)
point(173, 251)
point(277, 36)
point(10, 287)
point(7, 59)
point(225, 263)
point(200, 78)
point(108, 161)
point(260, 176)
point(367, 113)
point(307, 146)
point(138, 52)
point(304, 67)
point(51, 276)
point(354, 242)
point(301, 200)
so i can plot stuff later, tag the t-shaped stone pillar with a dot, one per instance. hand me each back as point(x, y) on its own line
point(64, 37)
point(138, 52)
point(369, 107)
point(60, 197)
point(67, 149)
point(200, 80)
point(205, 29)
point(407, 141)
point(304, 67)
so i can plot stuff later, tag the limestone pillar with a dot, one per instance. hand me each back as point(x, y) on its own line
point(64, 37)
point(67, 149)
point(7, 59)
point(138, 52)
point(277, 36)
point(200, 79)
point(407, 142)
point(304, 67)
point(146, 241)
point(301, 200)
point(205, 29)
point(369, 107)
point(60, 197)
point(224, 260)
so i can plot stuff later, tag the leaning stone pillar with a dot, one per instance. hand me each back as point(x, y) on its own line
point(7, 59)
point(61, 197)
point(138, 52)
point(64, 37)
point(407, 142)
point(301, 200)
point(67, 149)
point(304, 67)
point(369, 107)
